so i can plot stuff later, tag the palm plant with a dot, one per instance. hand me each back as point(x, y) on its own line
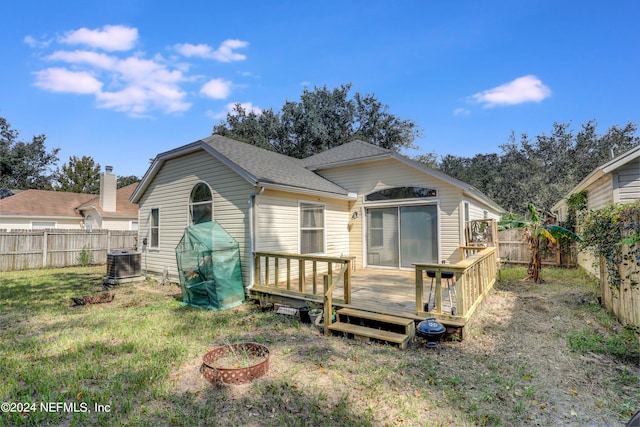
point(540, 234)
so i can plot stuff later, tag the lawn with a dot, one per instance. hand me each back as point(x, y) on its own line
point(536, 354)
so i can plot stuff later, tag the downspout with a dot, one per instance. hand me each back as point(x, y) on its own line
point(252, 243)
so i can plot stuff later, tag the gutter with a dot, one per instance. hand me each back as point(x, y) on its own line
point(252, 241)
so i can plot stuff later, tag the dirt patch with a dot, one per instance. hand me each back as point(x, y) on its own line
point(514, 368)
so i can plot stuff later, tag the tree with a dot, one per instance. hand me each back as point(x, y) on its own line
point(78, 176)
point(321, 120)
point(539, 234)
point(543, 169)
point(123, 181)
point(23, 165)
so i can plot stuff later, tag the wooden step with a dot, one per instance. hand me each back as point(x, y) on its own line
point(408, 324)
point(364, 332)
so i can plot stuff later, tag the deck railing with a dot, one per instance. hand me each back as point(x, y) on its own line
point(301, 275)
point(473, 279)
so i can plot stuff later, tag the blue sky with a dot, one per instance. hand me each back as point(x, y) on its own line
point(122, 81)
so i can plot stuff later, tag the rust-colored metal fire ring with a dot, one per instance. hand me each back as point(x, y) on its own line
point(241, 375)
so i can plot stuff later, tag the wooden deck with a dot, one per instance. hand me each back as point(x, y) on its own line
point(330, 281)
point(389, 291)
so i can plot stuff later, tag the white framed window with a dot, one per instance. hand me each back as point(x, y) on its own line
point(200, 204)
point(133, 225)
point(154, 228)
point(312, 236)
point(41, 225)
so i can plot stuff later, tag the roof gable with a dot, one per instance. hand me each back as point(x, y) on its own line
point(349, 152)
point(600, 171)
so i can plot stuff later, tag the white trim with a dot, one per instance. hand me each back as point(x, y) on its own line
point(131, 225)
point(324, 226)
point(190, 204)
point(149, 245)
point(365, 230)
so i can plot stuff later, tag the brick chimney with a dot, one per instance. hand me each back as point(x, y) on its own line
point(108, 189)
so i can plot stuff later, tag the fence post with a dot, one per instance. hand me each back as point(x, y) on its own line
point(108, 241)
point(44, 248)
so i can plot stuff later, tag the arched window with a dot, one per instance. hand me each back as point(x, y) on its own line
point(401, 193)
point(201, 204)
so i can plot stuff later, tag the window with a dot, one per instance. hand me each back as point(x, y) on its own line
point(376, 229)
point(41, 225)
point(401, 193)
point(133, 225)
point(88, 223)
point(201, 204)
point(311, 228)
point(154, 228)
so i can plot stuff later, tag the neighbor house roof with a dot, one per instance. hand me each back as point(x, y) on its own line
point(63, 204)
point(601, 171)
point(124, 207)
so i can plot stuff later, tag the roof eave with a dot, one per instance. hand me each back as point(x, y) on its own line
point(308, 191)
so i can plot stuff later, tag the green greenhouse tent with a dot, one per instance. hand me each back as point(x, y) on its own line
point(209, 267)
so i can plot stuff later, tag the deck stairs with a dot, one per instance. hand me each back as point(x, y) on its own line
point(367, 326)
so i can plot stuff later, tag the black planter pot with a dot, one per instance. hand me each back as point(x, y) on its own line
point(304, 315)
point(431, 330)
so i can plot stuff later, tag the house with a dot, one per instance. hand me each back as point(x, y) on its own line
point(357, 200)
point(617, 181)
point(38, 209)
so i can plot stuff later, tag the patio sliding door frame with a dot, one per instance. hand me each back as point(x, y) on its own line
point(396, 204)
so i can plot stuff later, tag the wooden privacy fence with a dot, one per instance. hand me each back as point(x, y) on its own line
point(514, 249)
point(623, 302)
point(31, 249)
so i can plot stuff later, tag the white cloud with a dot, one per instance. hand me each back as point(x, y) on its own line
point(216, 89)
point(224, 53)
point(523, 89)
point(35, 43)
point(461, 112)
point(95, 59)
point(63, 80)
point(110, 38)
point(135, 84)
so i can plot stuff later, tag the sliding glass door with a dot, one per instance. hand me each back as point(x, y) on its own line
point(403, 235)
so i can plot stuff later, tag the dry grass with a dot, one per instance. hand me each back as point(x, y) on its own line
point(142, 352)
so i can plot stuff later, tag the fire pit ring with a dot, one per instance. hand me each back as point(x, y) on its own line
point(216, 372)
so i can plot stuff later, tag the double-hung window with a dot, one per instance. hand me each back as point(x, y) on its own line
point(154, 228)
point(311, 228)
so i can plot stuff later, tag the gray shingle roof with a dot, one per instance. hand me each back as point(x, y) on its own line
point(354, 150)
point(268, 167)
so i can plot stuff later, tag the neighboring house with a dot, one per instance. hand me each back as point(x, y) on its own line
point(355, 200)
point(38, 209)
point(617, 181)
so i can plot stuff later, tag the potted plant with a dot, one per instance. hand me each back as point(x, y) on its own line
point(316, 315)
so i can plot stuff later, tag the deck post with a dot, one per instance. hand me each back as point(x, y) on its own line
point(276, 272)
point(301, 273)
point(460, 293)
point(438, 306)
point(256, 271)
point(288, 273)
point(419, 290)
point(326, 282)
point(315, 274)
point(266, 271)
point(347, 283)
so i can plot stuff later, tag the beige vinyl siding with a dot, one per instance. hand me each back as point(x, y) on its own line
point(117, 224)
point(627, 182)
point(24, 222)
point(600, 193)
point(170, 191)
point(372, 176)
point(278, 219)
